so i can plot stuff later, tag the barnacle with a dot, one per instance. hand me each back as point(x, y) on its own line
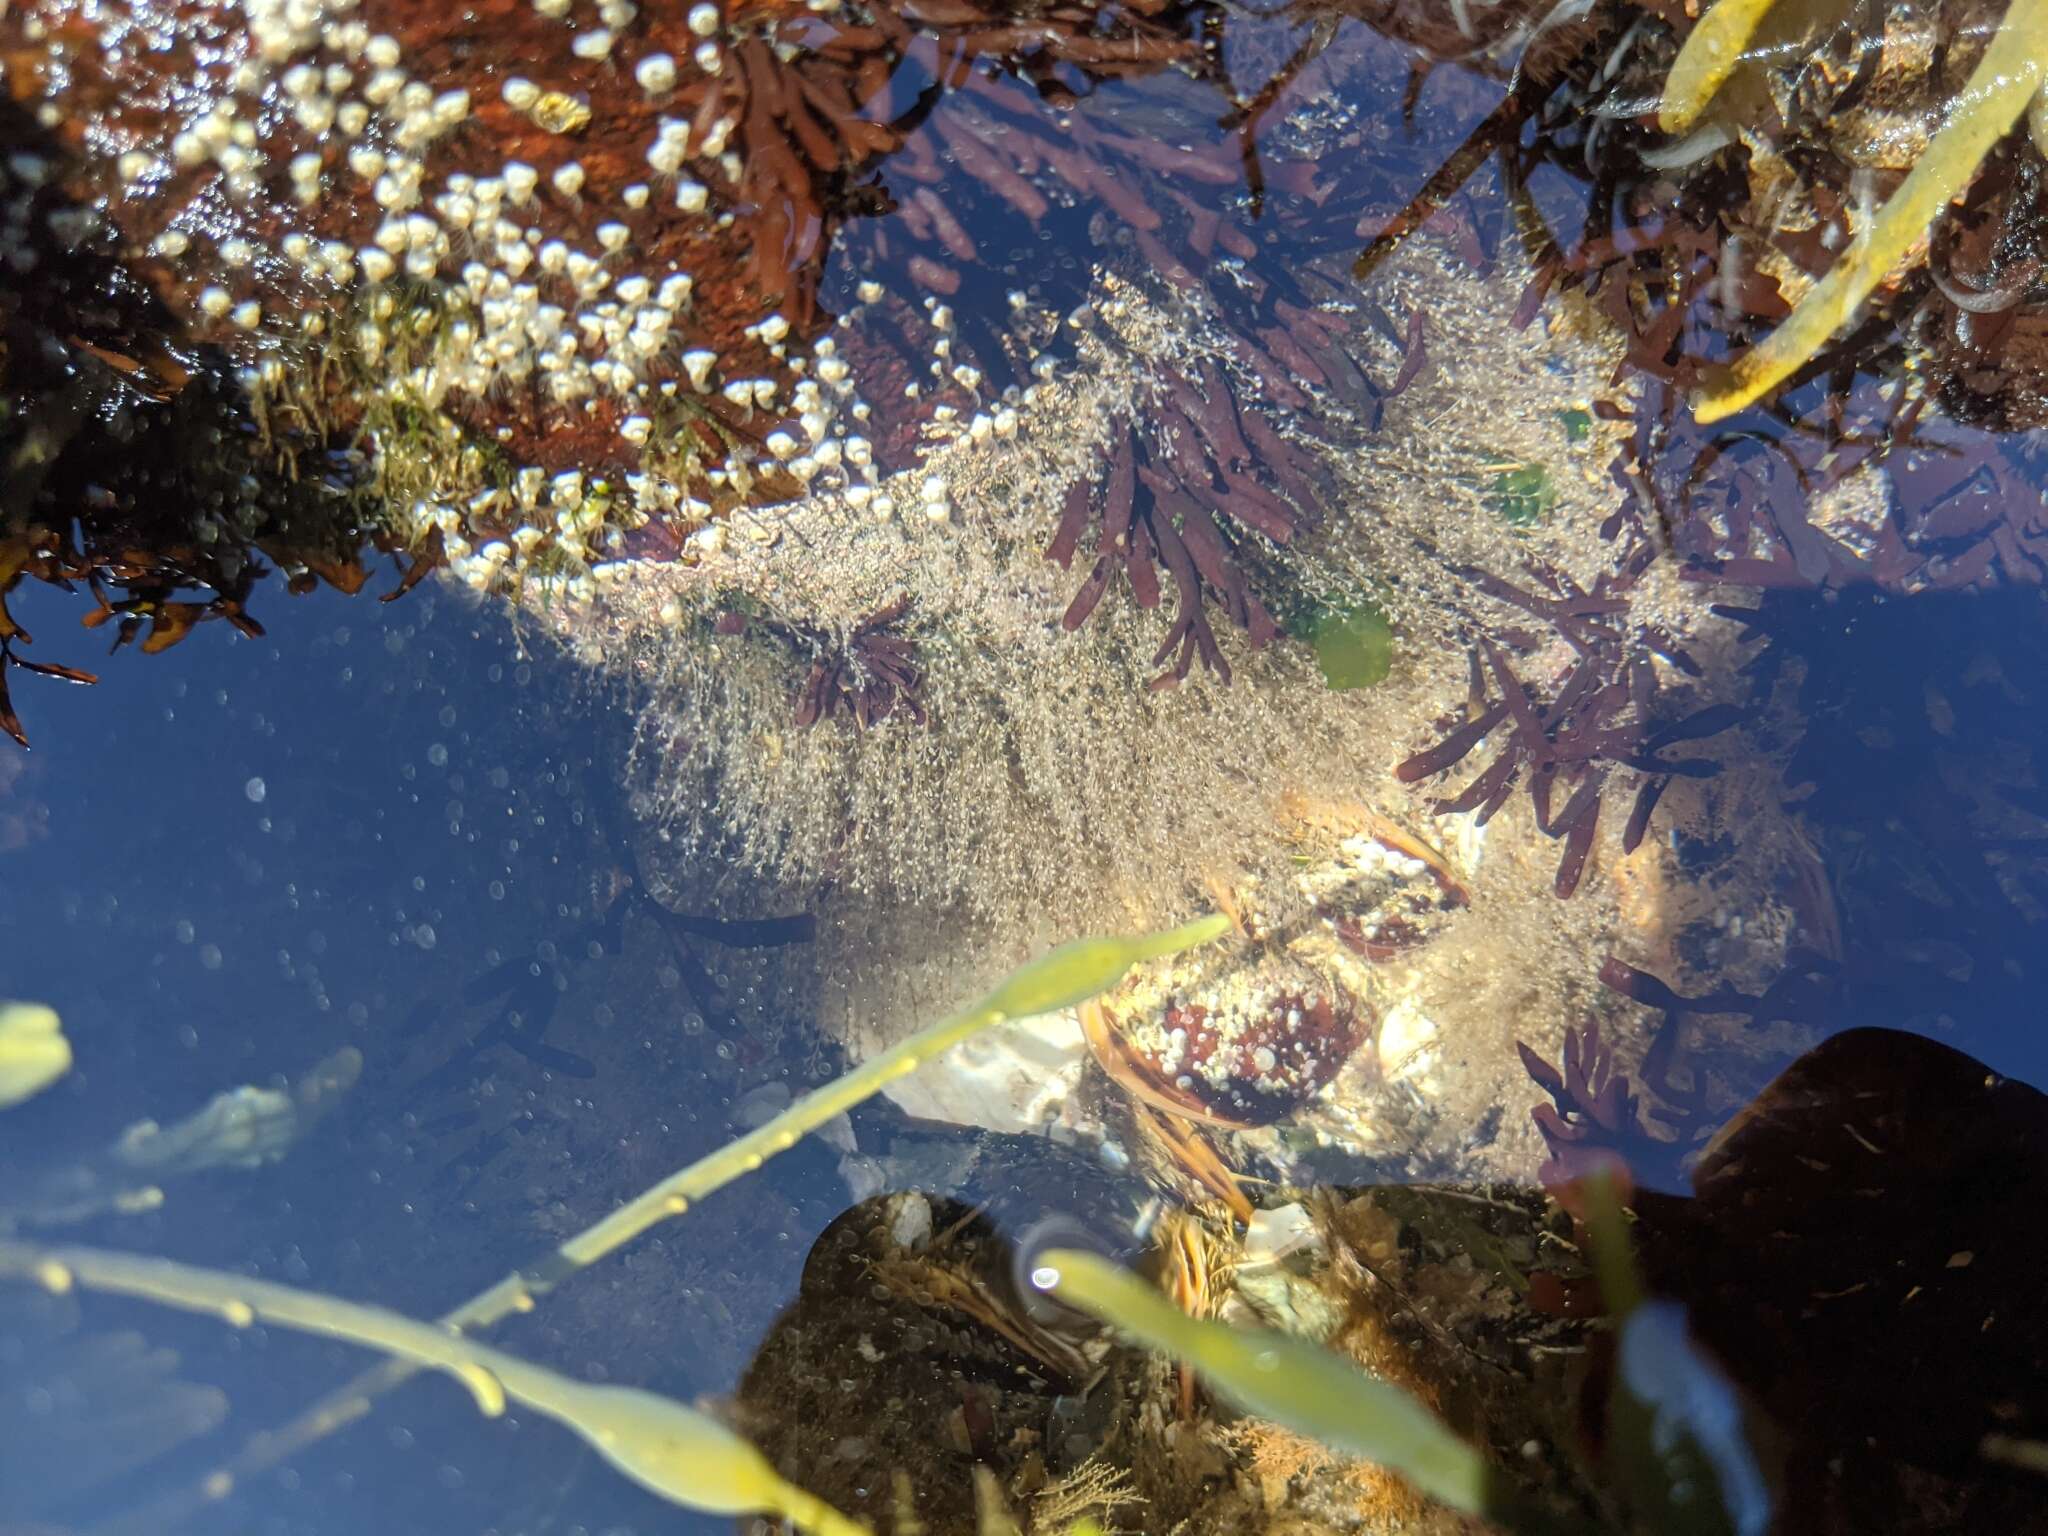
point(2006, 81)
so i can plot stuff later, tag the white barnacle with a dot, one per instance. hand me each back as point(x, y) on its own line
point(520, 93)
point(315, 115)
point(698, 363)
point(568, 178)
point(666, 155)
point(613, 235)
point(634, 195)
point(709, 57)
point(656, 73)
point(692, 196)
point(596, 44)
point(520, 180)
point(782, 445)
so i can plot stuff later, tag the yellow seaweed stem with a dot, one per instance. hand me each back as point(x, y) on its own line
point(1712, 50)
point(684, 1456)
point(1066, 976)
point(1287, 1380)
point(2006, 80)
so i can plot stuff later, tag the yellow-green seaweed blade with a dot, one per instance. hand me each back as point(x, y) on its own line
point(1286, 1380)
point(1068, 975)
point(2006, 80)
point(33, 1051)
point(686, 1457)
point(1712, 50)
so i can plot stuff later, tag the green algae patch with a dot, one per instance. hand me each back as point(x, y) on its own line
point(1354, 647)
point(1522, 495)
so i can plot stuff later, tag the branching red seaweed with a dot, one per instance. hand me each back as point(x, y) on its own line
point(1607, 712)
point(871, 672)
point(1184, 497)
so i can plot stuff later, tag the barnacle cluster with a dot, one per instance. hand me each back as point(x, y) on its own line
point(558, 278)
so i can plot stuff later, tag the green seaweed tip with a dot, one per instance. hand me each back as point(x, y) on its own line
point(1289, 1381)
